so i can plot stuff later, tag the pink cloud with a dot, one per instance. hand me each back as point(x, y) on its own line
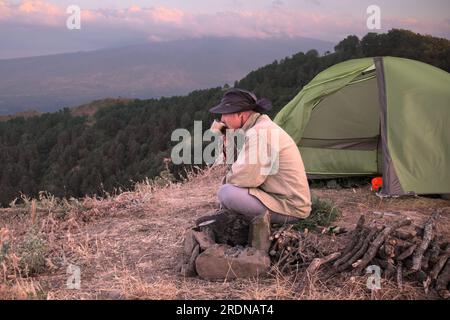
point(409, 21)
point(5, 10)
point(38, 6)
point(32, 12)
point(166, 15)
point(164, 23)
point(134, 8)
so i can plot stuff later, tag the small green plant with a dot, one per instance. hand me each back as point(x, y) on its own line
point(31, 251)
point(164, 179)
point(323, 213)
point(67, 205)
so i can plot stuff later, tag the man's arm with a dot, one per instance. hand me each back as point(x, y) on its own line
point(253, 164)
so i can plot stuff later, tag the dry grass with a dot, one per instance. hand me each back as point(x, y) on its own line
point(128, 245)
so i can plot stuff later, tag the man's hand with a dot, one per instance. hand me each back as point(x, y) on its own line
point(218, 127)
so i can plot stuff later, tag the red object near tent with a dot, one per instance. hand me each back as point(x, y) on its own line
point(377, 183)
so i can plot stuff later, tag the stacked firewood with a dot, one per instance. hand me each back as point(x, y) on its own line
point(419, 255)
point(292, 250)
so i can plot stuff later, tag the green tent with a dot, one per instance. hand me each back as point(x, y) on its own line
point(375, 116)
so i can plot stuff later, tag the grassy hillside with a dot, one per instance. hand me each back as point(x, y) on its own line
point(128, 246)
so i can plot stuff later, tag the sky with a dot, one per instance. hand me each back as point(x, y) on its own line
point(36, 27)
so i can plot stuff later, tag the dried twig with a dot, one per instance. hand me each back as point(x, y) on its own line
point(313, 267)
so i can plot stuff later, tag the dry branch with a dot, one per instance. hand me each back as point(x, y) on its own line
point(443, 280)
point(435, 250)
point(440, 264)
point(407, 253)
point(400, 275)
point(405, 235)
point(313, 267)
point(428, 235)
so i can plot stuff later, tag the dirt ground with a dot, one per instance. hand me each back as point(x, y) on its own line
point(128, 246)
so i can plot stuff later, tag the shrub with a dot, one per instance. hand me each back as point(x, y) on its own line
point(323, 213)
point(31, 251)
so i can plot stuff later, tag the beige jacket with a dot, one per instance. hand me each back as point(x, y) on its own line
point(277, 178)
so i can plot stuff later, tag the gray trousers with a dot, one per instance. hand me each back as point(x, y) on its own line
point(240, 200)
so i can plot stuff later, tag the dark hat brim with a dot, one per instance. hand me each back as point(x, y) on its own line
point(238, 100)
point(224, 108)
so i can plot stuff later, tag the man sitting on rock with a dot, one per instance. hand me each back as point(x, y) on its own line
point(268, 176)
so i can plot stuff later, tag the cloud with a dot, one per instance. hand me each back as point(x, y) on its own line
point(134, 9)
point(32, 12)
point(166, 15)
point(5, 11)
point(39, 7)
point(161, 23)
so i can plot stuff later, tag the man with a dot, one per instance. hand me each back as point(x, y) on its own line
point(276, 182)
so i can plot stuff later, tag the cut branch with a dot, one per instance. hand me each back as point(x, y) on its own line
point(443, 280)
point(428, 235)
point(400, 275)
point(407, 253)
point(440, 264)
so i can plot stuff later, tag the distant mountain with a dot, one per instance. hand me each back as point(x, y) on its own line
point(49, 83)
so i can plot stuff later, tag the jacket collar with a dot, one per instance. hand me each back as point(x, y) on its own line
point(251, 121)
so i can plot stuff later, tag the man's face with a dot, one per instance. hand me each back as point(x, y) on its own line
point(232, 120)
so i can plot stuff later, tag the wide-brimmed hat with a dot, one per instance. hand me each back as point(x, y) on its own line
point(238, 100)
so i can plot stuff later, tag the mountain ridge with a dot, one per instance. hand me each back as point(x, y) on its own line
point(52, 82)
